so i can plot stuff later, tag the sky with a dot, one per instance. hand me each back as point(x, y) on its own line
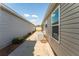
point(33, 12)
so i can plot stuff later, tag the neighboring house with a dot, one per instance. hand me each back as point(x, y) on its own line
point(38, 28)
point(12, 25)
point(61, 24)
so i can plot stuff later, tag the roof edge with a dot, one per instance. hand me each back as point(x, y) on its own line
point(14, 13)
point(51, 8)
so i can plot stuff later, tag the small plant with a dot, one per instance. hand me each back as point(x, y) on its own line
point(25, 36)
point(29, 34)
point(33, 31)
point(19, 40)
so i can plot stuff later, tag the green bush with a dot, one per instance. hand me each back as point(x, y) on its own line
point(19, 40)
point(28, 34)
point(33, 31)
point(25, 36)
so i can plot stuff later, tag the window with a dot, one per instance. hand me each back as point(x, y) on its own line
point(46, 24)
point(55, 23)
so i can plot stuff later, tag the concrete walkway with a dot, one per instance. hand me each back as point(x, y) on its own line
point(33, 46)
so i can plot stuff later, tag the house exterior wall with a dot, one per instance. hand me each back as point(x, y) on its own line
point(12, 26)
point(69, 30)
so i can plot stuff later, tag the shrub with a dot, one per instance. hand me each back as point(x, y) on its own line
point(19, 40)
point(33, 31)
point(28, 34)
point(25, 36)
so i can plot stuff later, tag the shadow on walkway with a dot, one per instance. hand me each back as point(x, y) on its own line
point(26, 49)
point(35, 45)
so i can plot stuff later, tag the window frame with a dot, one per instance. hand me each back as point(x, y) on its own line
point(58, 7)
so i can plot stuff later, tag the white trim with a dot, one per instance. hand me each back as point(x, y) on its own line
point(57, 24)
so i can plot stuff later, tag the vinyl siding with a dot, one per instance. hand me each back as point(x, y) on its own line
point(70, 28)
point(69, 31)
point(12, 26)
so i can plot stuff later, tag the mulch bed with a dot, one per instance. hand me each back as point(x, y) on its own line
point(7, 50)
